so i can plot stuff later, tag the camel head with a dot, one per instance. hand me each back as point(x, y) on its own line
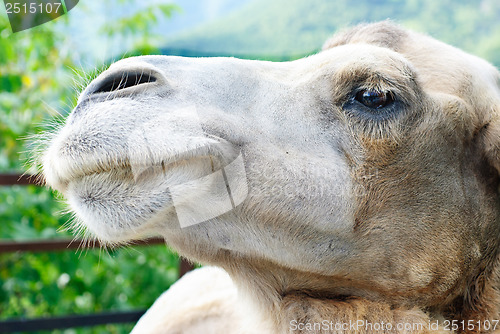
point(369, 169)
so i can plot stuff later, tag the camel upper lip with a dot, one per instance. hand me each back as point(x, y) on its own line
point(59, 176)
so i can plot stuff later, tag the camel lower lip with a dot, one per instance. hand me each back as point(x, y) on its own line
point(97, 197)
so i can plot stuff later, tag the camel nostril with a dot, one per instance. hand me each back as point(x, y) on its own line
point(123, 80)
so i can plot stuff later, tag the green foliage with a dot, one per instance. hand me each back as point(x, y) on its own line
point(61, 283)
point(33, 74)
point(134, 26)
point(30, 212)
point(83, 282)
point(140, 21)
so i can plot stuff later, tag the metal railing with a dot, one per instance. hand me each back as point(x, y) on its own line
point(70, 321)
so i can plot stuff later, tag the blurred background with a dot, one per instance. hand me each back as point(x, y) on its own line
point(41, 73)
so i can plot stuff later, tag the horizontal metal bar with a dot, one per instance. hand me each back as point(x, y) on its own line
point(19, 179)
point(8, 246)
point(185, 266)
point(64, 322)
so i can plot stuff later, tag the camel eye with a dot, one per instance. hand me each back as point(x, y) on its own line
point(374, 99)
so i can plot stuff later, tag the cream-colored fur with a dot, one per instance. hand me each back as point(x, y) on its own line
point(203, 301)
point(360, 183)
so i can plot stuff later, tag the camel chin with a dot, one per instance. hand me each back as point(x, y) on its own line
point(356, 184)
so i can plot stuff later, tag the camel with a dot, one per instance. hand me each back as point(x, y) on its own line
point(351, 191)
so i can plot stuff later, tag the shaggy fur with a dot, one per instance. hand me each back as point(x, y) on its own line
point(386, 214)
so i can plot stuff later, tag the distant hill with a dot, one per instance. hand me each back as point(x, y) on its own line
point(282, 29)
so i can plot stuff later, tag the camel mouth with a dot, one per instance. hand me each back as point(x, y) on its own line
point(141, 185)
point(140, 195)
point(192, 189)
